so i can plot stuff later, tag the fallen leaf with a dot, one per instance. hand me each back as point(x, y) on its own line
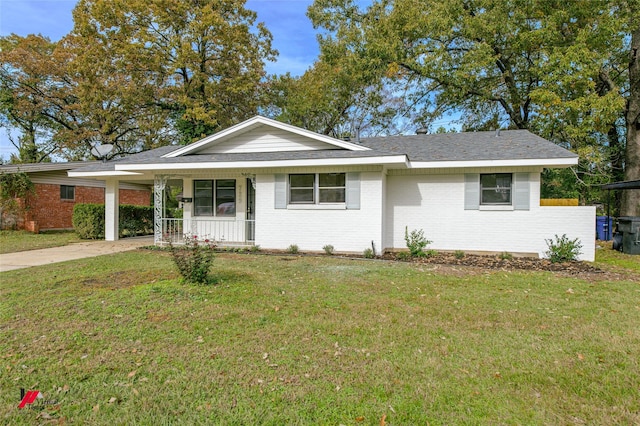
point(360, 419)
point(383, 420)
point(112, 399)
point(265, 355)
point(135, 392)
point(133, 373)
point(581, 357)
point(277, 308)
point(96, 408)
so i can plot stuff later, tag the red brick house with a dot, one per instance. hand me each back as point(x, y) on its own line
point(51, 207)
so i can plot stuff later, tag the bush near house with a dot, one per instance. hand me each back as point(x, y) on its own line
point(14, 190)
point(88, 220)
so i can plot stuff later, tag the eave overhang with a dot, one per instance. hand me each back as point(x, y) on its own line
point(537, 162)
point(390, 161)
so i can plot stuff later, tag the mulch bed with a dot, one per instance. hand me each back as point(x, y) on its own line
point(583, 270)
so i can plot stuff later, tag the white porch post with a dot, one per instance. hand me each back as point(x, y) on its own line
point(159, 183)
point(111, 214)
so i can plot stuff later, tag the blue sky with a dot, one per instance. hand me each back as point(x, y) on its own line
point(293, 34)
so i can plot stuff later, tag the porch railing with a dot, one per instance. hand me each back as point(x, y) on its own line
point(226, 233)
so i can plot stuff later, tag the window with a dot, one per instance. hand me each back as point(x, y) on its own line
point(495, 189)
point(317, 188)
point(214, 197)
point(67, 192)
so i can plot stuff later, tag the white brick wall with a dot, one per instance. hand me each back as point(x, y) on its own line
point(311, 229)
point(432, 202)
point(435, 203)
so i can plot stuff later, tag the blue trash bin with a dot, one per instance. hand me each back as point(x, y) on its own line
point(604, 228)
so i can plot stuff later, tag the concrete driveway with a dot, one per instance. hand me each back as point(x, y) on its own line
point(26, 259)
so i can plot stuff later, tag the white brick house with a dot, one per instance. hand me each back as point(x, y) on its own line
point(271, 184)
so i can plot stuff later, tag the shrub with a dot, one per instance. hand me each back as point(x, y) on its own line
point(88, 221)
point(563, 249)
point(403, 255)
point(368, 253)
point(254, 249)
point(328, 249)
point(505, 255)
point(430, 253)
point(193, 260)
point(459, 254)
point(135, 220)
point(293, 249)
point(15, 191)
point(416, 242)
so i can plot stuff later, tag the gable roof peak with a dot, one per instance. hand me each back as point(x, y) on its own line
point(254, 124)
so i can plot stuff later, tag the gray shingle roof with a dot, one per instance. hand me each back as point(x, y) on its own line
point(470, 146)
point(44, 167)
point(509, 145)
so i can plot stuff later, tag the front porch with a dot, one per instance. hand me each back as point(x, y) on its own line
point(225, 233)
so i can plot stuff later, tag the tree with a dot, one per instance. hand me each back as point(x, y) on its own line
point(631, 198)
point(550, 66)
point(64, 104)
point(24, 76)
point(336, 100)
point(202, 61)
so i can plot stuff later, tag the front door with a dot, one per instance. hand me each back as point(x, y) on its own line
point(251, 213)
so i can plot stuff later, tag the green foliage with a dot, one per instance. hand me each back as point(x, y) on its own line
point(459, 254)
point(430, 253)
point(193, 259)
point(293, 249)
point(505, 255)
point(403, 255)
point(416, 242)
point(559, 70)
point(368, 253)
point(15, 185)
point(15, 190)
point(562, 249)
point(88, 220)
point(328, 249)
point(254, 249)
point(134, 74)
point(135, 220)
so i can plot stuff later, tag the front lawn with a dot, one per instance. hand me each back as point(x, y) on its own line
point(15, 241)
point(316, 340)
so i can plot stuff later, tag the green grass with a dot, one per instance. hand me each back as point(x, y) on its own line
point(316, 340)
point(16, 241)
point(606, 256)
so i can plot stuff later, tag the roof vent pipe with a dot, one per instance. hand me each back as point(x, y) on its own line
point(358, 134)
point(422, 131)
point(497, 133)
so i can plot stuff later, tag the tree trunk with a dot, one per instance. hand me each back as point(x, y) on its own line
point(631, 198)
